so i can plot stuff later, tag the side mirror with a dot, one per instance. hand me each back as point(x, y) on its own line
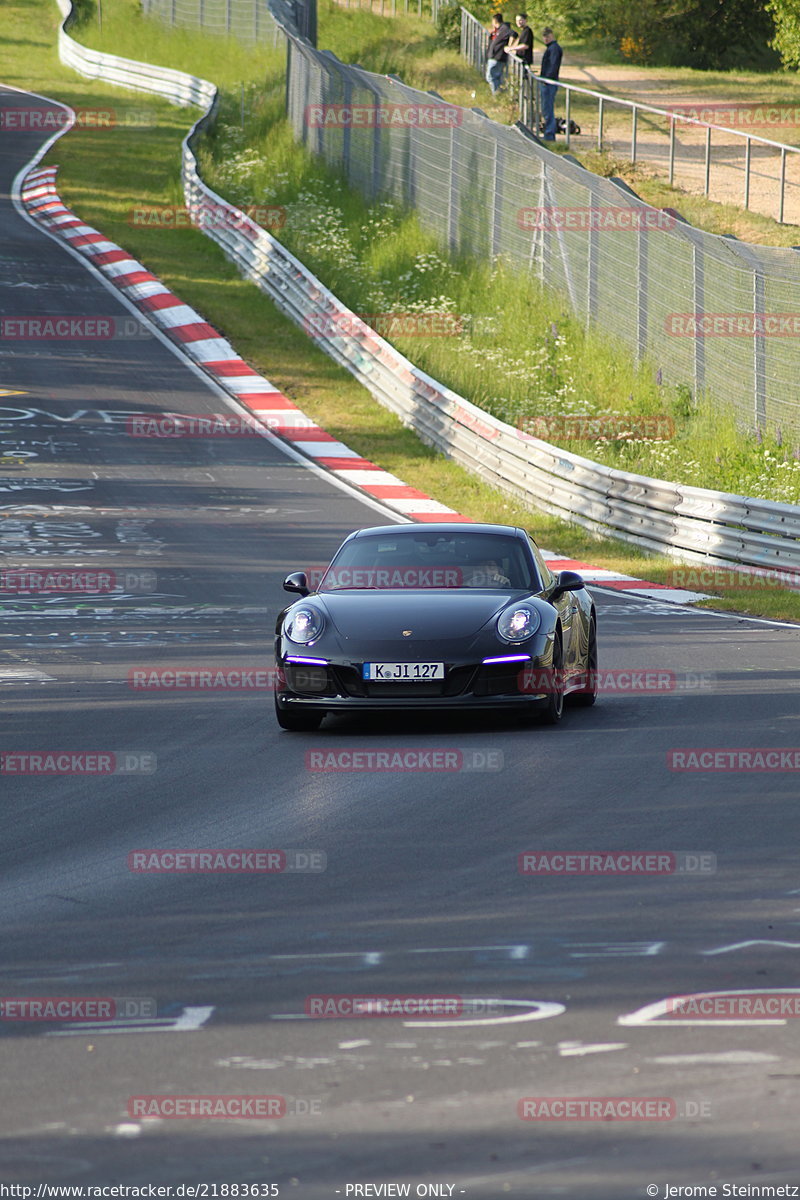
point(297, 582)
point(566, 581)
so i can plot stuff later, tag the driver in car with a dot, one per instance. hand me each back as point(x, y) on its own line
point(486, 574)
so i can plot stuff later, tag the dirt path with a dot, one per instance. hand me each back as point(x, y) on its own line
point(662, 89)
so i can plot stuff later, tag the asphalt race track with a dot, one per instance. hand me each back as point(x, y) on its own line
point(421, 893)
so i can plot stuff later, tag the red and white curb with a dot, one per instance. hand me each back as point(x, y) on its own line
point(625, 583)
point(214, 354)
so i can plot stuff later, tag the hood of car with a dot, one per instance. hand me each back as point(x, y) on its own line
point(384, 616)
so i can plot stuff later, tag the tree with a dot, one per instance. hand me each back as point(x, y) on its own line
point(786, 15)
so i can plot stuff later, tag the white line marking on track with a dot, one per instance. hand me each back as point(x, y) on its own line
point(577, 1050)
point(733, 1057)
point(540, 1011)
point(188, 1019)
point(651, 1012)
point(745, 945)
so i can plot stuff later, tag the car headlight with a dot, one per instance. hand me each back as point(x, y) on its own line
point(304, 625)
point(518, 624)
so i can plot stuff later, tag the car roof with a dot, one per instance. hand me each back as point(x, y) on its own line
point(443, 527)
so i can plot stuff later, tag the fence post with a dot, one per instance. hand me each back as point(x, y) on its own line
point(699, 295)
point(566, 271)
point(633, 133)
point(347, 90)
point(708, 156)
point(600, 104)
point(376, 154)
point(783, 183)
point(592, 254)
point(747, 146)
point(672, 124)
point(642, 298)
point(452, 193)
point(759, 352)
point(497, 198)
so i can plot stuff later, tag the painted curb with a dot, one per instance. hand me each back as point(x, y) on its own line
point(206, 347)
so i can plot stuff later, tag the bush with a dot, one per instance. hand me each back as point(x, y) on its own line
point(448, 24)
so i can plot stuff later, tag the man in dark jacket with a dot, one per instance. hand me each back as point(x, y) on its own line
point(522, 47)
point(550, 66)
point(498, 40)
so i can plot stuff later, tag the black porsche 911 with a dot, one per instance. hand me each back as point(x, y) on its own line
point(435, 616)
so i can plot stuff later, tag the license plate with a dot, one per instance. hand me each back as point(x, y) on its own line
point(402, 672)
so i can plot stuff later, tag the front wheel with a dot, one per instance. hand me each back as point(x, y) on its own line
point(553, 711)
point(586, 698)
point(297, 722)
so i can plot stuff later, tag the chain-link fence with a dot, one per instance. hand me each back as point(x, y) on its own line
point(709, 312)
point(248, 20)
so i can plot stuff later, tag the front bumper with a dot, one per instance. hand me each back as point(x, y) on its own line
point(339, 687)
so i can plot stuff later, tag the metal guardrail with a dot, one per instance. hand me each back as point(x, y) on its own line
point(688, 523)
point(525, 83)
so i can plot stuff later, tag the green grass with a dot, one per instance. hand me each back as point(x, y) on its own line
point(105, 173)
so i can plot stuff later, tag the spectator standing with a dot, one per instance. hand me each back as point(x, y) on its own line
point(522, 47)
point(550, 66)
point(499, 37)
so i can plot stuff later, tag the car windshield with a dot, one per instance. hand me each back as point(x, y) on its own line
point(431, 560)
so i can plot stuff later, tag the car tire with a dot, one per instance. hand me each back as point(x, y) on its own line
point(553, 710)
point(586, 699)
point(305, 722)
